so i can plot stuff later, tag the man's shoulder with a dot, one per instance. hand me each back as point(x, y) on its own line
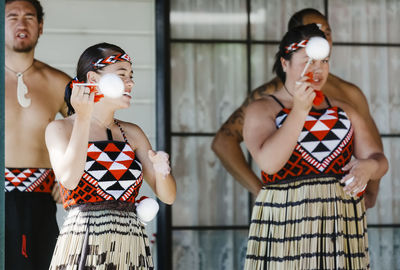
point(343, 85)
point(261, 104)
point(52, 72)
point(264, 90)
point(347, 92)
point(54, 82)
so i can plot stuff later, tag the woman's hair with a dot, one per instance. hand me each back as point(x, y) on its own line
point(85, 64)
point(294, 35)
point(36, 4)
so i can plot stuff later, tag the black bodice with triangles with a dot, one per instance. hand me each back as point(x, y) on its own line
point(112, 172)
point(324, 146)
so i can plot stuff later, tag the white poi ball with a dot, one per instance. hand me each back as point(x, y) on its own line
point(111, 85)
point(317, 48)
point(349, 181)
point(147, 209)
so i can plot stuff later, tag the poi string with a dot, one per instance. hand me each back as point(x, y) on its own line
point(22, 89)
point(110, 85)
point(317, 48)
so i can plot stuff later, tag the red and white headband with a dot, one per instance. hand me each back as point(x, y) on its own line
point(112, 59)
point(295, 46)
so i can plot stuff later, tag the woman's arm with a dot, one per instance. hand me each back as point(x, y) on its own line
point(270, 147)
point(155, 165)
point(68, 146)
point(226, 143)
point(370, 163)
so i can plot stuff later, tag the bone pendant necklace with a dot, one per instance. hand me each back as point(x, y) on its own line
point(22, 89)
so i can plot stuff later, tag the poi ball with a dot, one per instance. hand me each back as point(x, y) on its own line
point(147, 209)
point(317, 48)
point(349, 181)
point(111, 85)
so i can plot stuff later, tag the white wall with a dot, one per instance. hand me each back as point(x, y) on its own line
point(70, 26)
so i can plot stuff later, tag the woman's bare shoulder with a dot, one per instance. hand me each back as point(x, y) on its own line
point(132, 130)
point(64, 123)
point(129, 126)
point(59, 129)
point(263, 107)
point(346, 91)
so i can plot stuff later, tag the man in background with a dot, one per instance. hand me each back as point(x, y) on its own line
point(34, 94)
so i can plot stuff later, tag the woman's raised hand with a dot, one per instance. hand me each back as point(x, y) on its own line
point(82, 100)
point(303, 94)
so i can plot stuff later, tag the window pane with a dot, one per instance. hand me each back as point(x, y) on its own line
point(208, 19)
point(208, 83)
point(384, 248)
point(207, 194)
point(365, 21)
point(375, 71)
point(269, 19)
point(387, 208)
point(204, 250)
point(262, 60)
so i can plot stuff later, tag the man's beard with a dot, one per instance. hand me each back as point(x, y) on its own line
point(24, 48)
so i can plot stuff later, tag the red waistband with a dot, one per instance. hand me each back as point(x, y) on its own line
point(29, 180)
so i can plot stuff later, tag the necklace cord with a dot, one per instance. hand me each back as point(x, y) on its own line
point(16, 73)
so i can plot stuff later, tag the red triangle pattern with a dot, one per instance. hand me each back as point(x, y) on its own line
point(94, 155)
point(298, 166)
point(17, 174)
point(96, 192)
point(117, 173)
point(309, 124)
point(111, 148)
point(126, 163)
point(37, 184)
point(106, 164)
point(330, 123)
point(320, 134)
point(130, 154)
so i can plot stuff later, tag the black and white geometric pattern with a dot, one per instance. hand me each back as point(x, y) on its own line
point(324, 135)
point(115, 167)
point(26, 180)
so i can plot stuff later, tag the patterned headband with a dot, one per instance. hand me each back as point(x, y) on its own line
point(295, 46)
point(112, 59)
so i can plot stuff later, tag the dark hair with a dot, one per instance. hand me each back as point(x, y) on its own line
point(294, 35)
point(85, 64)
point(297, 18)
point(36, 4)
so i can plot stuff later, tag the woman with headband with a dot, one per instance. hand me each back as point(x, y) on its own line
point(310, 213)
point(100, 163)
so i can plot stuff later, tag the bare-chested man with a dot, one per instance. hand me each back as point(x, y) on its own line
point(226, 143)
point(30, 211)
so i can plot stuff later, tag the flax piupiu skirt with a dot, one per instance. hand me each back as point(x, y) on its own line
point(307, 224)
point(106, 235)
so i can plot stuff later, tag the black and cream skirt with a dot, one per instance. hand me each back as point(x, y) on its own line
point(102, 236)
point(307, 224)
